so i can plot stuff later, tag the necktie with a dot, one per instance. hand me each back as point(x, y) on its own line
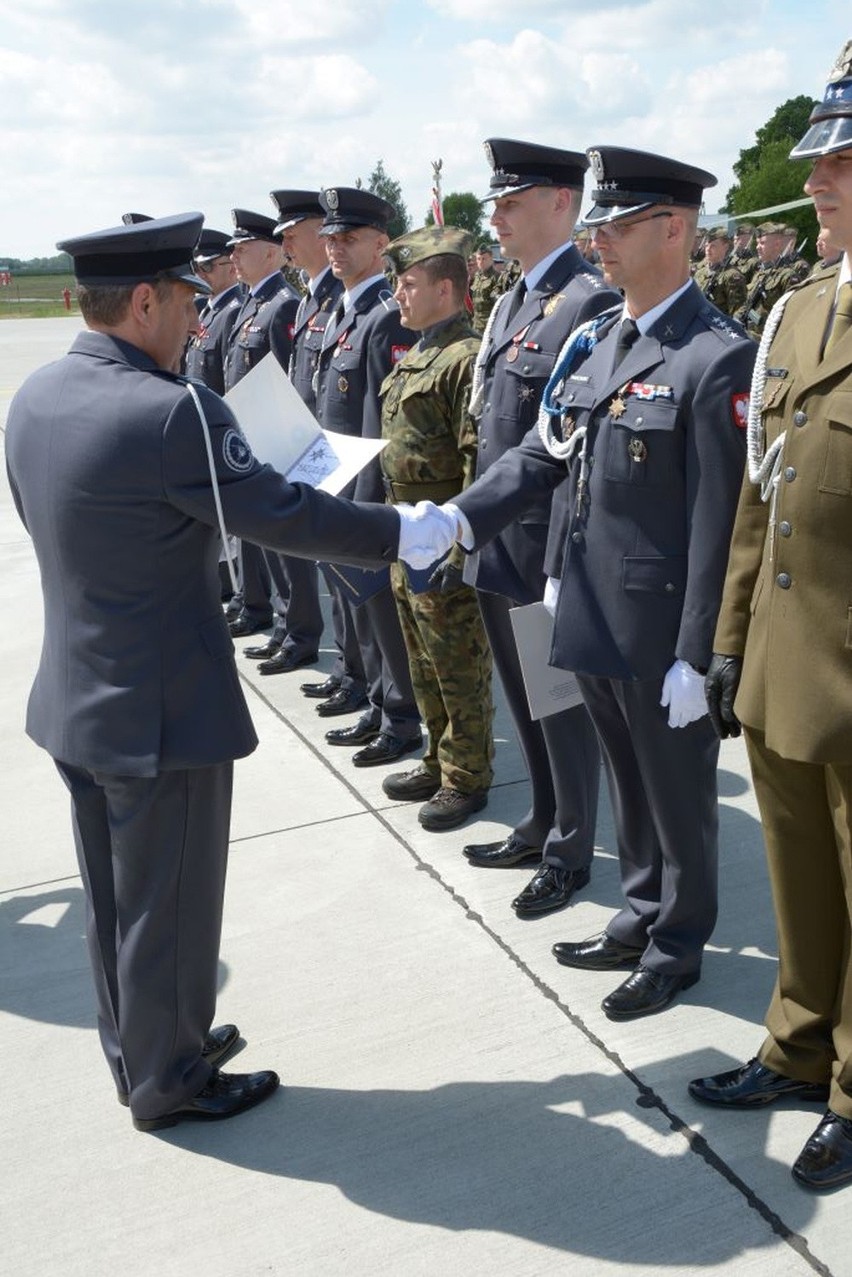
point(627, 335)
point(842, 321)
point(516, 301)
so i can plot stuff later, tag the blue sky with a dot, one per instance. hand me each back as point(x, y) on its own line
point(169, 105)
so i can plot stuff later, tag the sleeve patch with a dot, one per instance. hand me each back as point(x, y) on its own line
point(397, 352)
point(236, 453)
point(739, 409)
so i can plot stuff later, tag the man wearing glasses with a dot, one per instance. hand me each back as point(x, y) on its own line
point(205, 354)
point(649, 403)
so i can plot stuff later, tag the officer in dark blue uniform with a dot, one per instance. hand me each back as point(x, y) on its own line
point(206, 351)
point(360, 346)
point(137, 696)
point(536, 192)
point(652, 398)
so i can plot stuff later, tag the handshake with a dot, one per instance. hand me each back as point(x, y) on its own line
point(426, 532)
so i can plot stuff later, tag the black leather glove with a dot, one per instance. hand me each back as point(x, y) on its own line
point(446, 578)
point(720, 688)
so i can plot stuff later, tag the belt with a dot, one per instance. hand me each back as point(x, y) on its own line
point(439, 490)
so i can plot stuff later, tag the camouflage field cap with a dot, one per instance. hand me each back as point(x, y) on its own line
point(830, 123)
point(771, 228)
point(716, 232)
point(430, 241)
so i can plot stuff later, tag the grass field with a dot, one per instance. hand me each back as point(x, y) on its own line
point(36, 297)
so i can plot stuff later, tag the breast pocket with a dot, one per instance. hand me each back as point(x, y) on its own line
point(644, 446)
point(523, 384)
point(836, 477)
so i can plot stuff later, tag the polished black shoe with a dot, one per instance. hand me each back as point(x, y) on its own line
point(343, 701)
point(386, 748)
point(501, 855)
point(450, 808)
point(360, 733)
point(218, 1045)
point(600, 953)
point(550, 889)
point(285, 661)
point(826, 1159)
point(753, 1085)
point(262, 651)
point(224, 1095)
point(320, 691)
point(646, 992)
point(413, 786)
point(245, 625)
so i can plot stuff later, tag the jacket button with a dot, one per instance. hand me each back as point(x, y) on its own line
point(800, 418)
point(670, 587)
point(482, 442)
point(576, 537)
point(527, 368)
point(785, 528)
point(790, 474)
point(784, 580)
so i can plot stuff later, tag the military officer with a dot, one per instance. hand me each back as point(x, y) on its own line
point(137, 696)
point(206, 350)
point(430, 455)
point(651, 398)
point(536, 192)
point(360, 345)
point(484, 287)
point(775, 275)
point(720, 282)
point(783, 649)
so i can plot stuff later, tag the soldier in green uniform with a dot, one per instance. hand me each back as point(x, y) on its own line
point(430, 456)
point(484, 287)
point(509, 275)
point(776, 275)
point(743, 255)
point(720, 282)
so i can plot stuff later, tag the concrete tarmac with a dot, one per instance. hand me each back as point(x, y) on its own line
point(452, 1100)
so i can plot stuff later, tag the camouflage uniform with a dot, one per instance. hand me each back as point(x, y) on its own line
point(509, 276)
point(723, 285)
point(430, 456)
point(769, 283)
point(746, 263)
point(484, 290)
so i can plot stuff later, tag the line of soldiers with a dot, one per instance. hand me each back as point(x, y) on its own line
point(745, 282)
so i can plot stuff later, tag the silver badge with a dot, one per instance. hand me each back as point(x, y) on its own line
point(332, 199)
point(596, 164)
point(489, 155)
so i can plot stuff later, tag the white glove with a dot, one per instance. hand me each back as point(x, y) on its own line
point(426, 533)
point(683, 693)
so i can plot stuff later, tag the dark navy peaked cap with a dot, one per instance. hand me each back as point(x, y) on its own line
point(627, 182)
point(347, 207)
point(138, 251)
point(212, 244)
point(295, 206)
point(248, 225)
point(519, 165)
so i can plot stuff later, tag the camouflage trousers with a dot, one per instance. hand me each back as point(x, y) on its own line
point(451, 675)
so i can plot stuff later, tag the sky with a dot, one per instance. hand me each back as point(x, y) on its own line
point(164, 106)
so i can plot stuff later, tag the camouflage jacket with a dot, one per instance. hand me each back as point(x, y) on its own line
point(768, 284)
point(746, 263)
point(484, 291)
point(724, 286)
point(431, 437)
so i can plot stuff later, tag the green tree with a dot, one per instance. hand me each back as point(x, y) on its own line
point(462, 209)
point(381, 184)
point(768, 177)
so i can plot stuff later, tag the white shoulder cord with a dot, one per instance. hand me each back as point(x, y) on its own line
point(764, 464)
point(478, 380)
point(214, 482)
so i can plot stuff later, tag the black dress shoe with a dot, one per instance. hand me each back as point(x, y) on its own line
point(245, 625)
point(501, 855)
point(826, 1159)
point(320, 691)
point(262, 651)
point(413, 786)
point(646, 992)
point(360, 733)
point(753, 1085)
point(600, 953)
point(551, 888)
point(217, 1046)
point(386, 748)
point(343, 701)
point(285, 661)
point(224, 1095)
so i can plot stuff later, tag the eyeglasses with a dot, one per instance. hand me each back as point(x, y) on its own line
point(618, 229)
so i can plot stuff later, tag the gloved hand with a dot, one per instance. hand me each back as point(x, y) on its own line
point(426, 533)
point(720, 688)
point(446, 578)
point(683, 693)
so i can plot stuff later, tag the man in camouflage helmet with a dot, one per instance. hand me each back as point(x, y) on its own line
point(484, 287)
point(720, 282)
point(776, 275)
point(430, 455)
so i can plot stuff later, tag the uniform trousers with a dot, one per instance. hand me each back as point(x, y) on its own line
point(560, 752)
point(450, 664)
point(298, 622)
point(152, 853)
point(806, 813)
point(662, 783)
point(391, 696)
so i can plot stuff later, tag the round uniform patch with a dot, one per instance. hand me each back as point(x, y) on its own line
point(236, 452)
